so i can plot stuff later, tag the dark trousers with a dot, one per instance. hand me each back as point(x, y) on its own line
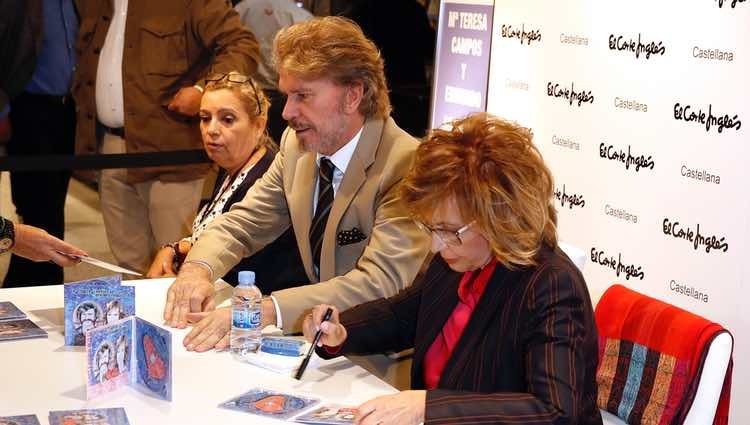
point(42, 125)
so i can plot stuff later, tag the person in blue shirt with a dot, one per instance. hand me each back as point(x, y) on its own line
point(42, 119)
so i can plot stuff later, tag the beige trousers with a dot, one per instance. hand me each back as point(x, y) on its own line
point(141, 217)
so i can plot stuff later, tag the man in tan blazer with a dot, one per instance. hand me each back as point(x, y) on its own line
point(338, 114)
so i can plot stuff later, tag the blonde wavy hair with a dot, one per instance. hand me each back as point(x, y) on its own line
point(498, 179)
point(252, 98)
point(336, 48)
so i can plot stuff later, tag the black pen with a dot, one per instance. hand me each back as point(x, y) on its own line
point(306, 360)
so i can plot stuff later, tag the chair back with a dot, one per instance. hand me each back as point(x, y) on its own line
point(576, 255)
point(657, 362)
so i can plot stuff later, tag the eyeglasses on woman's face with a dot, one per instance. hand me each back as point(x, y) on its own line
point(446, 236)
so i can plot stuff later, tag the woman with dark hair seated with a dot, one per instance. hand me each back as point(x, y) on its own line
point(501, 323)
point(233, 117)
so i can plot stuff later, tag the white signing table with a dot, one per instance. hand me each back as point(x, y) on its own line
point(40, 375)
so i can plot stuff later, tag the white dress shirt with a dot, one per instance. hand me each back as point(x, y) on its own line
point(340, 159)
point(110, 109)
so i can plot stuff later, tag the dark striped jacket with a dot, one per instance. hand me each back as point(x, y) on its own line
point(528, 354)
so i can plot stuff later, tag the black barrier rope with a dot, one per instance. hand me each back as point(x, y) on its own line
point(98, 162)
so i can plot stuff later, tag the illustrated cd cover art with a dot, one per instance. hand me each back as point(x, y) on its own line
point(109, 351)
point(93, 303)
point(9, 311)
point(331, 414)
point(153, 347)
point(269, 403)
point(114, 416)
point(19, 420)
point(20, 329)
point(131, 352)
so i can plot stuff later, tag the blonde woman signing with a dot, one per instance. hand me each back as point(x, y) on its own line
point(501, 323)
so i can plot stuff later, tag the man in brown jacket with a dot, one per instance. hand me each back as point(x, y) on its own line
point(141, 71)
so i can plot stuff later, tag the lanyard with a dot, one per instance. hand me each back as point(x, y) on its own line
point(228, 181)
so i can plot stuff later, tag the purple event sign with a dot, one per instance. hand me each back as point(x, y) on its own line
point(462, 63)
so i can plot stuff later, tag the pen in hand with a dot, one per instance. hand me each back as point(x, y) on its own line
point(318, 334)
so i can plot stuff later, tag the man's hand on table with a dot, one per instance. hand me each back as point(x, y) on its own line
point(212, 329)
point(191, 292)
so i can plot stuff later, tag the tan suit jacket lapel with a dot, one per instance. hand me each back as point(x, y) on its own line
point(300, 207)
point(354, 178)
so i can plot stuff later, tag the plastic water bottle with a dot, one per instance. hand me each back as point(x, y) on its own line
point(246, 316)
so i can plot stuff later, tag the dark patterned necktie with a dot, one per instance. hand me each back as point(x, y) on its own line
point(325, 200)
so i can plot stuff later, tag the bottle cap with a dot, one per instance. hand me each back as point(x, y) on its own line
point(246, 278)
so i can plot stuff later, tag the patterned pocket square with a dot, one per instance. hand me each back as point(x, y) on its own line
point(348, 237)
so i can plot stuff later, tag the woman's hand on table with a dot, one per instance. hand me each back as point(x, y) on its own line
point(404, 408)
point(333, 333)
point(211, 330)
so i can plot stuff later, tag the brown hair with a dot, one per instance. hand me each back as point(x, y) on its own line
point(336, 48)
point(498, 179)
point(251, 97)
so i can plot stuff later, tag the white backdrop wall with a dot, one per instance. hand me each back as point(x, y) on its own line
point(630, 174)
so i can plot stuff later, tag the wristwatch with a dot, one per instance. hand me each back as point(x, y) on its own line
point(7, 235)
